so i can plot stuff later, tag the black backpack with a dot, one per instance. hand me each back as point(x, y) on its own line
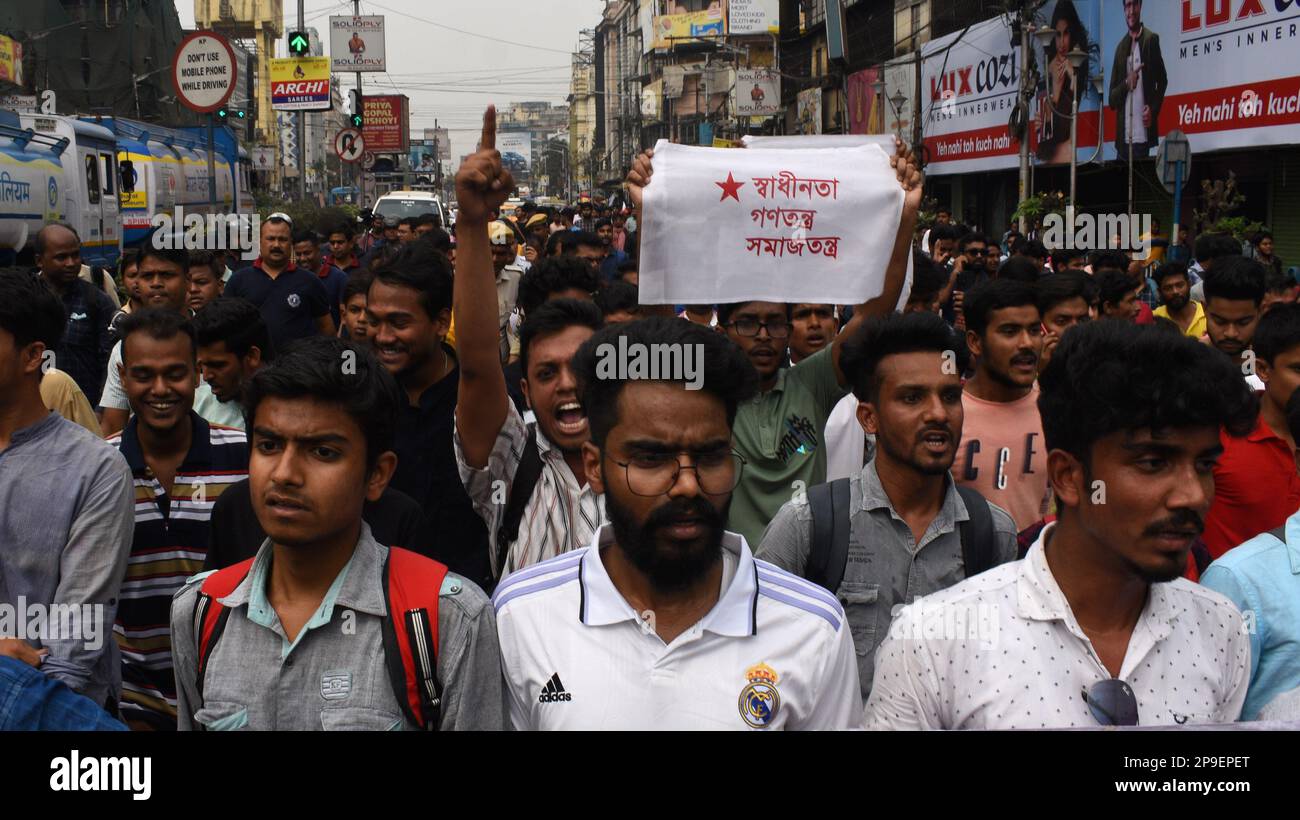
point(830, 542)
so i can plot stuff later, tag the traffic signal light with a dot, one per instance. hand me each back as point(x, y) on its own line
point(358, 118)
point(225, 114)
point(299, 44)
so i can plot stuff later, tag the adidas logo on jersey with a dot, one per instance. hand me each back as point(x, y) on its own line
point(554, 692)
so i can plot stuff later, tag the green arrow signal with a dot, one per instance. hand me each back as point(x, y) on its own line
point(298, 43)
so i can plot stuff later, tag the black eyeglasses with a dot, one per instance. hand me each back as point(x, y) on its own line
point(1112, 703)
point(652, 475)
point(750, 327)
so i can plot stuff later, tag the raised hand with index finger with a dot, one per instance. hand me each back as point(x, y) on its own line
point(482, 183)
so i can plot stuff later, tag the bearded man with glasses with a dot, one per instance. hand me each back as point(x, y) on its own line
point(667, 621)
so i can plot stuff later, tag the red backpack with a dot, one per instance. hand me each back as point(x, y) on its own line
point(412, 584)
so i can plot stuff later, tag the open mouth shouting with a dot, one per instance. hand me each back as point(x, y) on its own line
point(570, 419)
point(937, 442)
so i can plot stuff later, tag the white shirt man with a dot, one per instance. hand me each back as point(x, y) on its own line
point(773, 653)
point(1003, 650)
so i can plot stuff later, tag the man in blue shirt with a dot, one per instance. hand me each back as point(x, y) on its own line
point(293, 301)
point(306, 252)
point(613, 256)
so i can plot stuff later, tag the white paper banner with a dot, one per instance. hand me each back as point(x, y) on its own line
point(884, 141)
point(802, 225)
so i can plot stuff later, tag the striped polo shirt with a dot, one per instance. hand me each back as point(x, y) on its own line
point(169, 545)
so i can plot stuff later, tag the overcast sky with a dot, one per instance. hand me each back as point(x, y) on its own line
point(450, 76)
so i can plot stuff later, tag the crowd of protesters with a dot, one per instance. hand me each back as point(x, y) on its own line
point(379, 479)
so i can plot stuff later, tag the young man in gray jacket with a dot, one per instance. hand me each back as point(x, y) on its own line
point(303, 645)
point(905, 514)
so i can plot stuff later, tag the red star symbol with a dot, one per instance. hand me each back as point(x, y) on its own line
point(730, 188)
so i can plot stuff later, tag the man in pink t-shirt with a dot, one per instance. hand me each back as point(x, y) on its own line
point(1002, 454)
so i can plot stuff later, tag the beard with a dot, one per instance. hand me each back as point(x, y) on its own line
point(1182, 519)
point(669, 568)
point(1176, 303)
point(900, 453)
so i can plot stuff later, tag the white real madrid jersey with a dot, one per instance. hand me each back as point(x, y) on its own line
point(774, 652)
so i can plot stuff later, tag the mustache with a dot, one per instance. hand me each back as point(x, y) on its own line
point(680, 508)
point(1180, 520)
point(935, 428)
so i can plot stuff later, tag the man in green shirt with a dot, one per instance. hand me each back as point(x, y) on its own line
point(779, 431)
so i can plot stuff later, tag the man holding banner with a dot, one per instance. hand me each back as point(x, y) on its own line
point(795, 236)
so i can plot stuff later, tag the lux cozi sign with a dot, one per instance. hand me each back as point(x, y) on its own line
point(996, 74)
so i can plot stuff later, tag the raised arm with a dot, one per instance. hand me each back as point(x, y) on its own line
point(482, 186)
point(912, 181)
point(637, 179)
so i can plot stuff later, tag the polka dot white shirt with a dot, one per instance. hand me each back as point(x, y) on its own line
point(1003, 650)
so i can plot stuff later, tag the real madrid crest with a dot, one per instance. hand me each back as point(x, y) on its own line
point(760, 700)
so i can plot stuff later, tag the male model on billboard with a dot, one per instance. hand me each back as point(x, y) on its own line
point(1137, 86)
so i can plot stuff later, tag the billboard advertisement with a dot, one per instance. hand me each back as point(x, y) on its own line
point(441, 138)
point(357, 43)
point(1061, 87)
point(646, 21)
point(423, 159)
point(754, 17)
point(300, 84)
point(516, 149)
point(11, 60)
point(889, 112)
point(967, 95)
point(1224, 73)
point(757, 92)
point(809, 114)
point(671, 28)
point(386, 129)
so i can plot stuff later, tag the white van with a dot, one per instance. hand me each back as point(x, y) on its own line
point(401, 204)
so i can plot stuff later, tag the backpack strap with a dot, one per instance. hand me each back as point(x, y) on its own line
point(210, 616)
point(412, 585)
point(829, 554)
point(521, 490)
point(976, 532)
